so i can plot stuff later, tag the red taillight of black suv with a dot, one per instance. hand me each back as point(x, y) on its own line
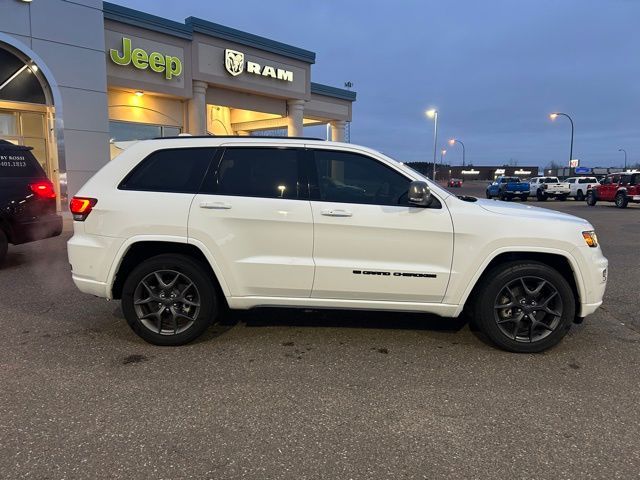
point(81, 207)
point(43, 189)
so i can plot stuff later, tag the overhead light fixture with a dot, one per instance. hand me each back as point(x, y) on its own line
point(139, 93)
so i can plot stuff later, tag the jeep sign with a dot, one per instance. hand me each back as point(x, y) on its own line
point(234, 62)
point(157, 62)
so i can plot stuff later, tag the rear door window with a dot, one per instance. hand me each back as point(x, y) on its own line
point(266, 172)
point(178, 170)
point(18, 162)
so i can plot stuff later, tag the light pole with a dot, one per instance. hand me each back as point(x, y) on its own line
point(433, 113)
point(443, 152)
point(625, 157)
point(555, 115)
point(452, 142)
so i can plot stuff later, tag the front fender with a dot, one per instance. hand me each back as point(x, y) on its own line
point(460, 294)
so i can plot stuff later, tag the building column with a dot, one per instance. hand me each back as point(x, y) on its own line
point(338, 130)
point(295, 114)
point(197, 109)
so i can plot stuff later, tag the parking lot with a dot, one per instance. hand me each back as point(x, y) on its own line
point(286, 394)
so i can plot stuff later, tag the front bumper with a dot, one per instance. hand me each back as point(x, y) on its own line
point(594, 269)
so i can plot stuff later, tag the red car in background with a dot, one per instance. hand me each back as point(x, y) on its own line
point(455, 182)
point(620, 188)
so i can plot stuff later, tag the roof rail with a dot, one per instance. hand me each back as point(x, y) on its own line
point(280, 137)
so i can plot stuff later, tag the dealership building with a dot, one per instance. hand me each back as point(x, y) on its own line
point(78, 76)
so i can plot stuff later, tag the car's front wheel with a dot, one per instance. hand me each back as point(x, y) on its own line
point(488, 194)
point(579, 195)
point(591, 198)
point(524, 198)
point(169, 300)
point(4, 245)
point(524, 307)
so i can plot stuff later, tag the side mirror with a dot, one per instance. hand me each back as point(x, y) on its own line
point(420, 194)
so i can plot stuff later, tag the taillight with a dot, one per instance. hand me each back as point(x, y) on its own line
point(43, 189)
point(81, 207)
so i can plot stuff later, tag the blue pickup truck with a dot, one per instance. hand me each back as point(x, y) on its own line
point(506, 188)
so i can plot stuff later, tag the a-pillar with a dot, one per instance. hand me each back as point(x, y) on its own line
point(338, 130)
point(197, 109)
point(295, 110)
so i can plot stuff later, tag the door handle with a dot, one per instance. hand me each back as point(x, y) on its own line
point(215, 205)
point(329, 212)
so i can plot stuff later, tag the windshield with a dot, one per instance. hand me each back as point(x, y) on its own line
point(512, 179)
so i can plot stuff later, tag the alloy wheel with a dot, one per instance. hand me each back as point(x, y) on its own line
point(528, 309)
point(167, 302)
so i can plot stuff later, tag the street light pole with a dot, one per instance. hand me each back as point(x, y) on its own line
point(555, 115)
point(453, 141)
point(433, 113)
point(443, 152)
point(625, 157)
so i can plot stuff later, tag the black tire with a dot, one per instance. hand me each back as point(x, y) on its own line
point(592, 199)
point(621, 200)
point(541, 196)
point(488, 194)
point(503, 196)
point(499, 324)
point(579, 195)
point(201, 291)
point(524, 198)
point(4, 245)
point(562, 198)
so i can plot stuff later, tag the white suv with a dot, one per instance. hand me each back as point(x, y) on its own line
point(180, 228)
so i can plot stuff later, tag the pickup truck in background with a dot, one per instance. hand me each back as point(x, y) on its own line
point(505, 188)
point(579, 186)
point(548, 187)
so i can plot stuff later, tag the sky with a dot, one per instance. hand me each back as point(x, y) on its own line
point(493, 69)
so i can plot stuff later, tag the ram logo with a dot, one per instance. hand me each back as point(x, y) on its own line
point(234, 62)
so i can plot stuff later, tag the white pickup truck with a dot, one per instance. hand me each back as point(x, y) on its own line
point(548, 187)
point(579, 186)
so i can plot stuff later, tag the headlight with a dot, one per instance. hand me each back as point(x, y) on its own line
point(590, 238)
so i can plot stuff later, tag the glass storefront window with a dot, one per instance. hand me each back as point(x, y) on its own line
point(8, 124)
point(128, 131)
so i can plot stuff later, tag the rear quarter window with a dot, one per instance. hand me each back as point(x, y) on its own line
point(19, 163)
point(178, 170)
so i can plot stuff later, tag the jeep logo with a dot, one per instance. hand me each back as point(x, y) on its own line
point(234, 62)
point(157, 62)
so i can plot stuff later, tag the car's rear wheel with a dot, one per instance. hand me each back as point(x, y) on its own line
point(621, 200)
point(4, 245)
point(541, 196)
point(592, 199)
point(524, 198)
point(579, 195)
point(524, 307)
point(169, 300)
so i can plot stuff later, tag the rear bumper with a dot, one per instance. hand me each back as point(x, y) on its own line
point(46, 226)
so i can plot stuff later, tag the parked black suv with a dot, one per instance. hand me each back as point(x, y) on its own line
point(27, 199)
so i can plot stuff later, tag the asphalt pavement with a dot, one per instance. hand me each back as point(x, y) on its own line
point(301, 395)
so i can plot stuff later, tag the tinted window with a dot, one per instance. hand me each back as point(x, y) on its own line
point(258, 172)
point(173, 170)
point(550, 180)
point(587, 180)
point(351, 178)
point(635, 179)
point(16, 162)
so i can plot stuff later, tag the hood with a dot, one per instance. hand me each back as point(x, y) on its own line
point(520, 210)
